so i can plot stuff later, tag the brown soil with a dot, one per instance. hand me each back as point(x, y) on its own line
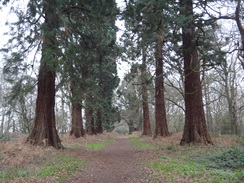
point(119, 162)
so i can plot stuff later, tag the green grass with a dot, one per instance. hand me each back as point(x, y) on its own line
point(2, 174)
point(194, 164)
point(107, 140)
point(99, 145)
point(63, 168)
point(138, 142)
point(96, 146)
point(57, 167)
point(72, 146)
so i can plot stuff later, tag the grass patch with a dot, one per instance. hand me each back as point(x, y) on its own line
point(63, 169)
point(200, 164)
point(57, 167)
point(172, 169)
point(107, 140)
point(2, 174)
point(95, 146)
point(138, 142)
point(72, 146)
point(98, 145)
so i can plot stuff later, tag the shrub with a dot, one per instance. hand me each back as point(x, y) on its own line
point(231, 158)
point(4, 137)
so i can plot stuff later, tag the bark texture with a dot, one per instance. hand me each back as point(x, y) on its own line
point(44, 131)
point(145, 109)
point(161, 126)
point(90, 122)
point(77, 122)
point(195, 129)
point(99, 128)
point(76, 118)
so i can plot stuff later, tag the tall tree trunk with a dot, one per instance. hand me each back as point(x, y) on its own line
point(2, 124)
point(161, 126)
point(209, 119)
point(131, 126)
point(145, 109)
point(230, 93)
point(195, 129)
point(77, 123)
point(99, 128)
point(14, 126)
point(44, 131)
point(90, 122)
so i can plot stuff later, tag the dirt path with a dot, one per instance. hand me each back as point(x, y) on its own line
point(117, 163)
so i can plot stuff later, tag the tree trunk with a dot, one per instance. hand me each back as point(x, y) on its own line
point(230, 93)
point(2, 124)
point(209, 119)
point(195, 129)
point(131, 126)
point(99, 128)
point(77, 123)
point(145, 108)
point(44, 131)
point(161, 126)
point(90, 122)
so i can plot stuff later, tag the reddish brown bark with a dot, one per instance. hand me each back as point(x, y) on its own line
point(76, 118)
point(77, 122)
point(145, 109)
point(90, 122)
point(195, 129)
point(99, 128)
point(161, 126)
point(44, 131)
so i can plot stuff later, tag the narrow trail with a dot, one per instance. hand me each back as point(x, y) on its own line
point(117, 163)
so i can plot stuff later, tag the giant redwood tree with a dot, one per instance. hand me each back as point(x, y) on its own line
point(145, 107)
point(195, 129)
point(161, 126)
point(76, 110)
point(44, 131)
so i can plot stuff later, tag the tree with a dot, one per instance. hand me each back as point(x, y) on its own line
point(238, 19)
point(130, 99)
point(161, 128)
point(195, 130)
point(44, 131)
point(144, 92)
point(147, 23)
point(76, 114)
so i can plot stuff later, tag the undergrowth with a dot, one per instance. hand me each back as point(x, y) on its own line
point(57, 167)
point(200, 164)
point(61, 167)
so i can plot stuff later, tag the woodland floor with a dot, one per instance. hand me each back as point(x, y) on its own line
point(118, 162)
point(113, 158)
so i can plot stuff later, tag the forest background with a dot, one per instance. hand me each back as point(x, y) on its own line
point(87, 54)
